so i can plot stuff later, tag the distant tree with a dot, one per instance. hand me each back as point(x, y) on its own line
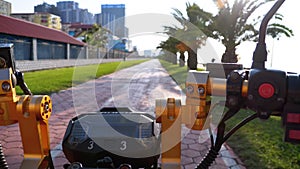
point(97, 36)
point(169, 46)
point(231, 25)
point(188, 34)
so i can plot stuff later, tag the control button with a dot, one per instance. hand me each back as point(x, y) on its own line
point(294, 134)
point(266, 90)
point(293, 118)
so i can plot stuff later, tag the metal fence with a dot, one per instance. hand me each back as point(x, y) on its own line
point(23, 46)
point(50, 50)
point(56, 50)
point(77, 52)
point(95, 52)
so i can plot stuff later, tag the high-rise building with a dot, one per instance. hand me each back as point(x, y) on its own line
point(113, 18)
point(86, 17)
point(107, 20)
point(98, 18)
point(71, 13)
point(45, 7)
point(5, 8)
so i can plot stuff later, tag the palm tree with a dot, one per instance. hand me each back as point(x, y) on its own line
point(169, 46)
point(276, 33)
point(188, 34)
point(231, 26)
point(182, 49)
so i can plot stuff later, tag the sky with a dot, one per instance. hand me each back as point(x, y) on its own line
point(145, 18)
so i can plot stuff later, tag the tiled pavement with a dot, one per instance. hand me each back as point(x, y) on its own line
point(136, 87)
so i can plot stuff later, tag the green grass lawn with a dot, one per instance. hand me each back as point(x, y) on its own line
point(49, 81)
point(259, 144)
point(179, 74)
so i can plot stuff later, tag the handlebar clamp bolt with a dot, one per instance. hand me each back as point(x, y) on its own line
point(201, 90)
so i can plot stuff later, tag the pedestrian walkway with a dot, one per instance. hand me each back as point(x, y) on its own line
point(136, 87)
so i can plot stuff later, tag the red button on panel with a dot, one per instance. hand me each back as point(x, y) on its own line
point(293, 118)
point(266, 90)
point(294, 134)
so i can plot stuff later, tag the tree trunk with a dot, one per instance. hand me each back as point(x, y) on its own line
point(169, 55)
point(192, 59)
point(229, 56)
point(174, 58)
point(181, 59)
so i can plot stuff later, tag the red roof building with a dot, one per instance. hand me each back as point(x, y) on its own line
point(14, 26)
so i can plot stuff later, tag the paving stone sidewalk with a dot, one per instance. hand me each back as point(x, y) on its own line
point(137, 88)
